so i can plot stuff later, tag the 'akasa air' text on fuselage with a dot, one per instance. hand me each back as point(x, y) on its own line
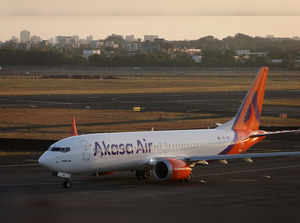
point(105, 149)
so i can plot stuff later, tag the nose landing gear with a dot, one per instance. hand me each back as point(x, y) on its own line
point(67, 179)
point(67, 183)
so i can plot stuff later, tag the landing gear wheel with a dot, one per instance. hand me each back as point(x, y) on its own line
point(143, 174)
point(147, 173)
point(139, 174)
point(67, 184)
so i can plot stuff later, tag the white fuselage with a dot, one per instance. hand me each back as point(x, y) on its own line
point(124, 151)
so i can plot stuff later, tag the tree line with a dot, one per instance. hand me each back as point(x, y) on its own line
point(214, 53)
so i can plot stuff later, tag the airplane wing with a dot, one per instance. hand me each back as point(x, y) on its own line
point(241, 156)
point(274, 133)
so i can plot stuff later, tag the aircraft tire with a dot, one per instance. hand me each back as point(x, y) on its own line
point(67, 184)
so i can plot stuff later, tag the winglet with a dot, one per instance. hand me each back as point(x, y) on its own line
point(248, 116)
point(74, 127)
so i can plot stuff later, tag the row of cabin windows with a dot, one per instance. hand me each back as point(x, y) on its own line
point(176, 146)
point(186, 146)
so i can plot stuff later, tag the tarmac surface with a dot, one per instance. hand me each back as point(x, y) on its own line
point(222, 104)
point(267, 190)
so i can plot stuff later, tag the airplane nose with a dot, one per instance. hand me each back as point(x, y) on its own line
point(43, 160)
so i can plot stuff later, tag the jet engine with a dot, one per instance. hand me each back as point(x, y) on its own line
point(171, 169)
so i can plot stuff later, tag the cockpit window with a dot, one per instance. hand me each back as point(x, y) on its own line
point(60, 149)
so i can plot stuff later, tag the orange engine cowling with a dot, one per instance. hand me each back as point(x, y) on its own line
point(171, 169)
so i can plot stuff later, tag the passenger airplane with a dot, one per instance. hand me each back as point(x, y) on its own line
point(167, 155)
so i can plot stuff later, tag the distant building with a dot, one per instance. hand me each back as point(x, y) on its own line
point(133, 47)
point(193, 51)
point(83, 42)
point(76, 41)
point(270, 37)
point(259, 54)
point(45, 44)
point(150, 38)
point(111, 44)
point(177, 50)
point(276, 61)
point(87, 53)
point(24, 36)
point(129, 38)
point(61, 40)
point(89, 38)
point(248, 53)
point(14, 39)
point(75, 38)
point(242, 52)
point(96, 44)
point(69, 41)
point(117, 36)
point(51, 41)
point(197, 58)
point(36, 39)
point(296, 38)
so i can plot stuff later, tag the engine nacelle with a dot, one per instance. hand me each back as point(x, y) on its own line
point(171, 169)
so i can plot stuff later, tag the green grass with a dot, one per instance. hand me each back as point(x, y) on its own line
point(140, 85)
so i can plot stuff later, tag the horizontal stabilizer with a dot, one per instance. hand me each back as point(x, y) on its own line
point(275, 133)
point(241, 156)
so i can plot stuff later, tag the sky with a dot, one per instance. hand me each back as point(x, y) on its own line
point(170, 19)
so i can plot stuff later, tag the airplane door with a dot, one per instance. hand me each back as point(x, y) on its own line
point(86, 150)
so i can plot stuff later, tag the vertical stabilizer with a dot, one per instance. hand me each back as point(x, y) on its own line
point(248, 115)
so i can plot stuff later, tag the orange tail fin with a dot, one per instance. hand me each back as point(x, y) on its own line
point(74, 127)
point(248, 116)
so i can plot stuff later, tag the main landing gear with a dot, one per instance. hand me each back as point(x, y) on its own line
point(143, 174)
